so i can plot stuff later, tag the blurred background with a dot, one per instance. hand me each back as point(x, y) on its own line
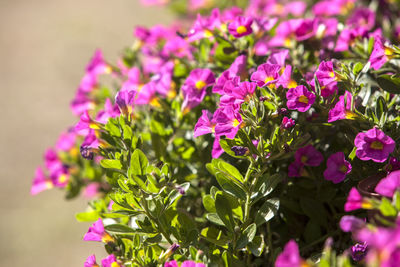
point(44, 48)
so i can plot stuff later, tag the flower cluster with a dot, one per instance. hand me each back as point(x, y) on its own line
point(235, 141)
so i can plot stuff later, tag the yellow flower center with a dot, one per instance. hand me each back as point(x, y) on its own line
point(343, 168)
point(388, 52)
point(303, 159)
point(268, 79)
point(241, 29)
point(208, 34)
point(287, 42)
point(200, 85)
point(107, 238)
point(376, 145)
point(115, 264)
point(292, 84)
point(235, 123)
point(350, 115)
point(62, 178)
point(154, 101)
point(303, 99)
point(331, 74)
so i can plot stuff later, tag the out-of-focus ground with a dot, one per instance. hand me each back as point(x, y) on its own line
point(44, 47)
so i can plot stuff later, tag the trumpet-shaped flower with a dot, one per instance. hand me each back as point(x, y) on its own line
point(40, 182)
point(110, 261)
point(299, 98)
point(342, 110)
point(337, 168)
point(205, 124)
point(388, 186)
point(91, 261)
point(380, 54)
point(356, 201)
point(308, 156)
point(96, 232)
point(266, 75)
point(290, 256)
point(374, 145)
point(241, 26)
point(228, 121)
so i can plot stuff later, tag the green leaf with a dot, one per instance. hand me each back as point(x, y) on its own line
point(265, 185)
point(127, 132)
point(215, 236)
point(381, 110)
point(228, 170)
point(111, 164)
point(112, 128)
point(224, 211)
point(386, 208)
point(119, 229)
point(256, 246)
point(396, 200)
point(213, 217)
point(230, 186)
point(389, 83)
point(139, 163)
point(357, 68)
point(352, 153)
point(267, 211)
point(247, 236)
point(88, 216)
point(209, 203)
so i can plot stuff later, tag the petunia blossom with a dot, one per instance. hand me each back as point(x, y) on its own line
point(91, 261)
point(290, 256)
point(374, 145)
point(388, 186)
point(266, 75)
point(240, 27)
point(308, 156)
point(110, 261)
point(96, 232)
point(337, 168)
point(299, 98)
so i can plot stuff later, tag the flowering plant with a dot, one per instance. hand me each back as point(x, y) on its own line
point(236, 141)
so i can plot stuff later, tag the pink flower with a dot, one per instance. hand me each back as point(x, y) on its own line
point(290, 256)
point(296, 169)
point(337, 168)
point(110, 261)
point(308, 156)
point(326, 78)
point(355, 201)
point(205, 124)
point(340, 111)
point(96, 232)
point(380, 55)
point(287, 123)
point(125, 100)
point(299, 98)
point(217, 150)
point(266, 75)
point(228, 121)
point(40, 182)
point(350, 223)
point(173, 263)
point(374, 145)
point(91, 261)
point(241, 26)
point(66, 141)
point(195, 87)
point(388, 186)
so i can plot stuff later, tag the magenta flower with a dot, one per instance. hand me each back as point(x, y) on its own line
point(374, 145)
point(266, 75)
point(359, 250)
point(217, 150)
point(287, 123)
point(355, 201)
point(194, 88)
point(380, 55)
point(205, 124)
point(228, 121)
point(66, 141)
point(306, 29)
point(172, 263)
point(91, 261)
point(125, 100)
point(241, 26)
point(147, 95)
point(337, 168)
point(285, 80)
point(362, 17)
point(110, 261)
point(327, 78)
point(308, 156)
point(299, 98)
point(296, 169)
point(340, 111)
point(348, 36)
point(290, 256)
point(40, 182)
point(350, 223)
point(388, 186)
point(97, 233)
point(237, 95)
